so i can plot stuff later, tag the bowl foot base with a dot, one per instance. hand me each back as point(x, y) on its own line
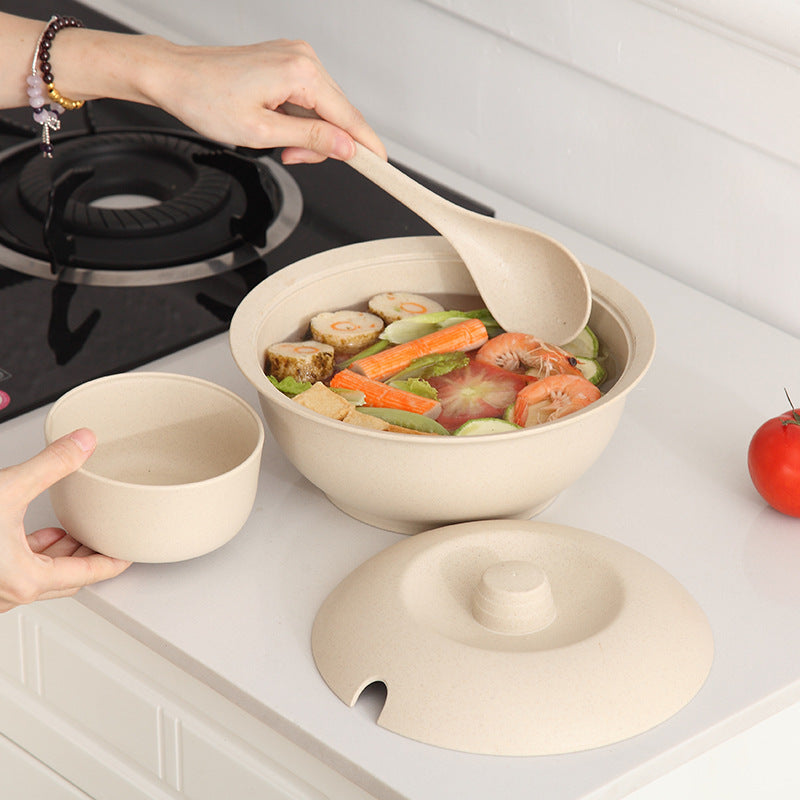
point(416, 526)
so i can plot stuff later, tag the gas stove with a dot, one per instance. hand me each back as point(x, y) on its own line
point(140, 238)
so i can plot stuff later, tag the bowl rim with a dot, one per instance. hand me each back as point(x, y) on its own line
point(250, 314)
point(244, 464)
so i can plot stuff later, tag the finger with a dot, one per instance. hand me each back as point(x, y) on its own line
point(299, 155)
point(69, 573)
point(316, 135)
point(53, 595)
point(62, 547)
point(334, 108)
point(56, 461)
point(81, 554)
point(40, 540)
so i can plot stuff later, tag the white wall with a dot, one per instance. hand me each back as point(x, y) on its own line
point(669, 130)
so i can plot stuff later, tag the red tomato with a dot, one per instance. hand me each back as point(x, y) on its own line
point(774, 462)
point(474, 391)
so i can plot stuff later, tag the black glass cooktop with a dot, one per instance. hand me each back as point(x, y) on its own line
point(131, 193)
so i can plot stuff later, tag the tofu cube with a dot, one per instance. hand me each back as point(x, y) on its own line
point(325, 401)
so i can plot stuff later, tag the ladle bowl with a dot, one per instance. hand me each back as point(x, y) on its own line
point(530, 282)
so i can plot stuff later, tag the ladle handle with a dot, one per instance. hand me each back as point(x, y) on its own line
point(435, 210)
point(439, 213)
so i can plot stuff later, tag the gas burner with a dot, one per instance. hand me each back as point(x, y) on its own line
point(140, 237)
point(140, 208)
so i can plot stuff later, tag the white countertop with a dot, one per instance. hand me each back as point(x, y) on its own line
point(673, 484)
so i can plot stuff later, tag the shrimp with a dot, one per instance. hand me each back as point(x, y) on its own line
point(521, 352)
point(553, 397)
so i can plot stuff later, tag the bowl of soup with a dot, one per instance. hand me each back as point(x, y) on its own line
point(410, 483)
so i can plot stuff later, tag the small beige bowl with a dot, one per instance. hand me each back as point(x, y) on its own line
point(175, 471)
point(411, 483)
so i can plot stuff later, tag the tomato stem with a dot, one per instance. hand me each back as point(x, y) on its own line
point(795, 416)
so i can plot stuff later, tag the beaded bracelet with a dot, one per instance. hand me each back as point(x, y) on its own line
point(48, 118)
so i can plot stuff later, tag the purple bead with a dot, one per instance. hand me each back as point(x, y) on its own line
point(47, 77)
point(46, 148)
point(32, 80)
point(37, 101)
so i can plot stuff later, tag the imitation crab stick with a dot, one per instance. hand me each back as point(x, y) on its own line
point(466, 335)
point(380, 395)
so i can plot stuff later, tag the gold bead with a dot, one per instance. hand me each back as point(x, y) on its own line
point(64, 102)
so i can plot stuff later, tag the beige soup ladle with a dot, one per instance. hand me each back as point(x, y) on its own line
point(529, 282)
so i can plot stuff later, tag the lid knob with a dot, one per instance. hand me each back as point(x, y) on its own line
point(514, 597)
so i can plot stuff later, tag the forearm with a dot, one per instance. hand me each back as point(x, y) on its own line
point(87, 64)
point(17, 41)
point(230, 94)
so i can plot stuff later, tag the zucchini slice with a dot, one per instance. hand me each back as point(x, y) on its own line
point(592, 370)
point(487, 425)
point(585, 345)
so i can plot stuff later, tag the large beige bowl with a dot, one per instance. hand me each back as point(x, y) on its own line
point(412, 483)
point(175, 471)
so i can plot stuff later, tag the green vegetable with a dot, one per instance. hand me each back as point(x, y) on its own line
point(482, 427)
point(433, 365)
point(592, 370)
point(406, 419)
point(415, 386)
point(289, 386)
point(585, 345)
point(586, 348)
point(404, 330)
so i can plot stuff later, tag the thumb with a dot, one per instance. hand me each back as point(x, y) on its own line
point(56, 461)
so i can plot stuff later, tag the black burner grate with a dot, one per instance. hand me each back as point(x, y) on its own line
point(146, 164)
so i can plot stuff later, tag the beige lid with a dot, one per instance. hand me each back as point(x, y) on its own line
point(514, 638)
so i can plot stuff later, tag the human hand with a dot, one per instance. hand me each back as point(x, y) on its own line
point(49, 562)
point(235, 95)
point(230, 94)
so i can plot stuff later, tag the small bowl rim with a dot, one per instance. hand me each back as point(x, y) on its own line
point(294, 278)
point(244, 464)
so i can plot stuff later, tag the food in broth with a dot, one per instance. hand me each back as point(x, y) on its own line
point(432, 371)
